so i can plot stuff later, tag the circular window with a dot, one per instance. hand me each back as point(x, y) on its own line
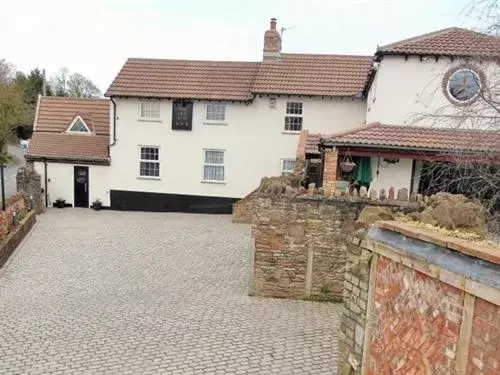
point(463, 85)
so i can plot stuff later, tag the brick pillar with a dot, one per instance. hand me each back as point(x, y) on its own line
point(301, 152)
point(330, 171)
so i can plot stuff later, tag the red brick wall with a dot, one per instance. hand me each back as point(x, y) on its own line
point(484, 350)
point(416, 322)
point(330, 171)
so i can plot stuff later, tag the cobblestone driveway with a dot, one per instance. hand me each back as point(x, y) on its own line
point(145, 293)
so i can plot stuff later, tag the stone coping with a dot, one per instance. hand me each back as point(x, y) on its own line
point(327, 199)
point(489, 254)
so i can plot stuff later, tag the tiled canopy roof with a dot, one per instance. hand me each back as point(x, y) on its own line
point(54, 116)
point(453, 41)
point(418, 138)
point(68, 147)
point(328, 75)
point(312, 143)
point(322, 75)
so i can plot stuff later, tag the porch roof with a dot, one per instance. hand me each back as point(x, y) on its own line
point(417, 138)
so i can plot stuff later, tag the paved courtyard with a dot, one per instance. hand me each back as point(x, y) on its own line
point(151, 293)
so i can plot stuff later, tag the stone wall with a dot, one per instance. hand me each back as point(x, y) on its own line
point(243, 209)
point(30, 182)
point(352, 324)
point(13, 239)
point(417, 301)
point(300, 242)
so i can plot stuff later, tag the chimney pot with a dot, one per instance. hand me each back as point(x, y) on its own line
point(273, 23)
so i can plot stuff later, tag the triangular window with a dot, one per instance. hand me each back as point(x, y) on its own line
point(78, 126)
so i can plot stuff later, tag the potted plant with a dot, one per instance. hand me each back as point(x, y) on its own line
point(347, 165)
point(97, 204)
point(60, 203)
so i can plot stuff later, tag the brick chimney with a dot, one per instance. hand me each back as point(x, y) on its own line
point(272, 42)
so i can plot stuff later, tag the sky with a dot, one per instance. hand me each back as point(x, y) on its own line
point(95, 37)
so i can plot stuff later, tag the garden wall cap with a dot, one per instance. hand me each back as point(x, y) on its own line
point(480, 250)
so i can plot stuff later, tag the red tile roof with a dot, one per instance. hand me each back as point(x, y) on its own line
point(312, 143)
point(322, 75)
point(69, 147)
point(452, 41)
point(418, 137)
point(328, 75)
point(54, 116)
point(184, 79)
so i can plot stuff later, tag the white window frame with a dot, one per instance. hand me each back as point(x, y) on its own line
point(294, 115)
point(205, 164)
point(216, 122)
point(282, 166)
point(149, 103)
point(141, 160)
point(78, 118)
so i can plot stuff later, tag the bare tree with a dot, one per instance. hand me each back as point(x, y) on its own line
point(487, 15)
point(7, 72)
point(59, 82)
point(475, 173)
point(75, 84)
point(82, 87)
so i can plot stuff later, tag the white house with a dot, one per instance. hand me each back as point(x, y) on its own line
point(69, 148)
point(196, 136)
point(441, 80)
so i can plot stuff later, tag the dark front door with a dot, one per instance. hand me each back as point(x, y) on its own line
point(81, 182)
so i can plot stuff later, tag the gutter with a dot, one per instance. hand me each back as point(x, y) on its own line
point(45, 183)
point(102, 162)
point(114, 123)
point(403, 148)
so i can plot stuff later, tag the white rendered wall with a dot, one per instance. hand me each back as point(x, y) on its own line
point(60, 182)
point(397, 175)
point(406, 92)
point(253, 139)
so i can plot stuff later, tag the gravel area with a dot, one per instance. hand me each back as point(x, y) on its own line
point(151, 293)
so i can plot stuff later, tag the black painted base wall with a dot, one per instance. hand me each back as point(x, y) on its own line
point(158, 202)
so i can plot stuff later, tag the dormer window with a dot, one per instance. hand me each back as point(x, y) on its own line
point(78, 126)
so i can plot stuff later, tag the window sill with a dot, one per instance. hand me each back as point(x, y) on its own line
point(213, 182)
point(291, 131)
point(148, 178)
point(140, 119)
point(217, 123)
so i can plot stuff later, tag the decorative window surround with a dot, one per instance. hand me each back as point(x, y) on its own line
point(182, 115)
point(462, 85)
